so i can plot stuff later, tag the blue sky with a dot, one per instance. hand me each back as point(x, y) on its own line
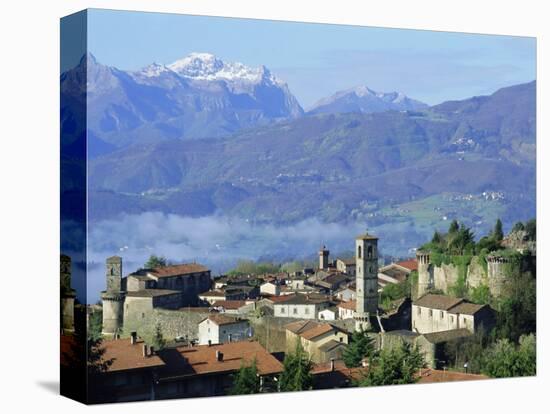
point(317, 60)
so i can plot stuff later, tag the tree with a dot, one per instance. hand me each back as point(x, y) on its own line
point(398, 365)
point(498, 234)
point(437, 238)
point(531, 229)
point(95, 325)
point(246, 381)
point(504, 359)
point(155, 261)
point(453, 227)
point(360, 347)
point(158, 341)
point(518, 227)
point(296, 374)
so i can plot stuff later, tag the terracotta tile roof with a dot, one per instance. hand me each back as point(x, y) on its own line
point(279, 299)
point(441, 302)
point(352, 304)
point(221, 319)
point(177, 270)
point(126, 356)
point(466, 308)
point(191, 361)
point(410, 264)
point(299, 327)
point(434, 375)
point(229, 304)
point(311, 329)
point(322, 329)
point(150, 293)
point(201, 360)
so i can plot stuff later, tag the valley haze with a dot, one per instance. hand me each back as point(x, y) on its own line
point(217, 161)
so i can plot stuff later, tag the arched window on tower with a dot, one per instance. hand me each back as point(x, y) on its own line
point(359, 252)
point(369, 252)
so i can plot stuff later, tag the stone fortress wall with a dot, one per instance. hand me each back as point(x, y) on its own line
point(445, 276)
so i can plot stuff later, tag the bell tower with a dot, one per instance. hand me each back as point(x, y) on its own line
point(113, 297)
point(323, 258)
point(366, 259)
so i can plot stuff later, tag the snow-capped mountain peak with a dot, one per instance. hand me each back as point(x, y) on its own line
point(206, 66)
point(153, 70)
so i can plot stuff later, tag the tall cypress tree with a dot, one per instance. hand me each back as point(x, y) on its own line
point(296, 374)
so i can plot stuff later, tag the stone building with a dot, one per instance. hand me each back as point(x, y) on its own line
point(301, 306)
point(322, 341)
point(270, 288)
point(436, 313)
point(219, 329)
point(68, 295)
point(323, 258)
point(366, 254)
point(134, 297)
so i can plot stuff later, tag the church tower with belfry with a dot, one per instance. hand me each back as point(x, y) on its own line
point(323, 258)
point(366, 259)
point(113, 298)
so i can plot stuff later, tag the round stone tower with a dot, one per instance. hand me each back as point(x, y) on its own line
point(323, 258)
point(113, 298)
point(496, 274)
point(424, 279)
point(366, 277)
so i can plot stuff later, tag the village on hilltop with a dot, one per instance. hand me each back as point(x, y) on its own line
point(176, 330)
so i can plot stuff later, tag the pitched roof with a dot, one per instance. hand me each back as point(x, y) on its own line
point(410, 264)
point(300, 299)
point(311, 329)
point(435, 375)
point(331, 345)
point(126, 356)
point(151, 293)
point(190, 361)
point(222, 319)
point(466, 308)
point(441, 302)
point(444, 336)
point(229, 304)
point(201, 360)
point(348, 262)
point(177, 270)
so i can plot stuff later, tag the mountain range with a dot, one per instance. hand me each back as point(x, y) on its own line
point(404, 170)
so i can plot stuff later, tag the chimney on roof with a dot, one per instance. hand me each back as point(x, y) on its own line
point(219, 356)
point(144, 350)
point(133, 338)
point(331, 364)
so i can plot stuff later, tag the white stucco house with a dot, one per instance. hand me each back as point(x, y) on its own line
point(221, 328)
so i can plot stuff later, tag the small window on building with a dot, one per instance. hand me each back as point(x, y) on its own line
point(295, 311)
point(369, 252)
point(419, 310)
point(359, 252)
point(282, 310)
point(441, 314)
point(142, 315)
point(341, 339)
point(464, 320)
point(430, 313)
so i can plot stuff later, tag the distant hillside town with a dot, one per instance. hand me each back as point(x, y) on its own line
point(460, 309)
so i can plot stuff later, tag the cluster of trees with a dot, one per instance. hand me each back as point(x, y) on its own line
point(397, 365)
point(249, 267)
point(498, 358)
